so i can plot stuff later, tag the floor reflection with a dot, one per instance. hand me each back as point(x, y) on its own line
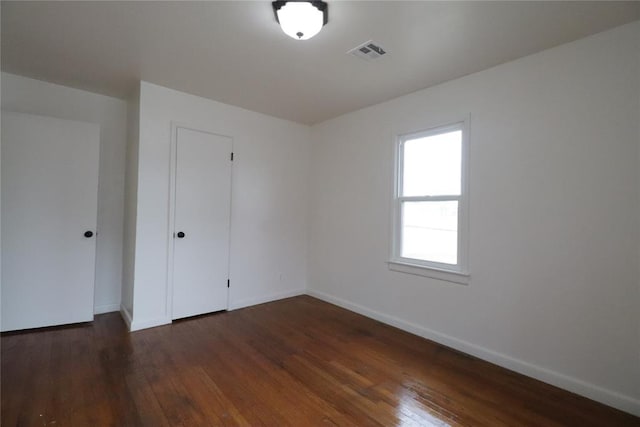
point(411, 412)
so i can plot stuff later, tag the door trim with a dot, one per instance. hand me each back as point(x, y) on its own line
point(173, 152)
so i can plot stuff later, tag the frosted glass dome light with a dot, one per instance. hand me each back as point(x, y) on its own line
point(301, 20)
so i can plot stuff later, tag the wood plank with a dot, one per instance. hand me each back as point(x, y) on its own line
point(298, 361)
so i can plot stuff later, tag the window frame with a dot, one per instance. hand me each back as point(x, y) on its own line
point(458, 273)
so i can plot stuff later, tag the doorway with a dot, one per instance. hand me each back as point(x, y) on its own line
point(49, 216)
point(201, 202)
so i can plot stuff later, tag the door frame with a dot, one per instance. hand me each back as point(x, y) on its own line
point(173, 163)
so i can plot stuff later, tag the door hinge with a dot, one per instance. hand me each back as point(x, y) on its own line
point(228, 282)
point(232, 156)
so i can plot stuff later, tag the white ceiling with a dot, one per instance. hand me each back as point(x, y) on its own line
point(235, 52)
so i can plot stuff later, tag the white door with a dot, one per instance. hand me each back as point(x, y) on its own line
point(49, 210)
point(202, 221)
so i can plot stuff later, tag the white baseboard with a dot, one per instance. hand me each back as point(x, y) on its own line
point(137, 325)
point(266, 298)
point(106, 308)
point(592, 391)
point(126, 316)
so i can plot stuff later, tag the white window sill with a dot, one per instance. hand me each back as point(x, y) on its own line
point(434, 273)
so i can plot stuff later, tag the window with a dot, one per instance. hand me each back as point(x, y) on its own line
point(430, 203)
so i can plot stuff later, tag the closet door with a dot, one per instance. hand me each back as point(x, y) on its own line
point(202, 221)
point(49, 210)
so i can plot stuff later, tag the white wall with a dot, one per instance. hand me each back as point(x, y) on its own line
point(554, 216)
point(269, 200)
point(25, 95)
point(130, 204)
point(0, 206)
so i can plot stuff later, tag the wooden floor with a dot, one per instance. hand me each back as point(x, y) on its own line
point(298, 362)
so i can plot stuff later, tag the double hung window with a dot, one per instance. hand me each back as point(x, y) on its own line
point(430, 201)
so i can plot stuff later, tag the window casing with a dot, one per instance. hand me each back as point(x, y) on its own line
point(430, 203)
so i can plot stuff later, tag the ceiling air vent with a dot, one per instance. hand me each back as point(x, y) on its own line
point(368, 51)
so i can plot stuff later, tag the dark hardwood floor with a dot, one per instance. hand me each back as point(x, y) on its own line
point(297, 362)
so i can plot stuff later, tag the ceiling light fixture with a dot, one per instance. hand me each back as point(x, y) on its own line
point(301, 20)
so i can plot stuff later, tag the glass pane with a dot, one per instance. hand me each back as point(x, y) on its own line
point(430, 231)
point(432, 165)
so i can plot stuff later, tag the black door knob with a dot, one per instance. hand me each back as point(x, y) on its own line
point(180, 234)
point(88, 234)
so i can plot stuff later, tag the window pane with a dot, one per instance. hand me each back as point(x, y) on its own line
point(432, 165)
point(430, 231)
